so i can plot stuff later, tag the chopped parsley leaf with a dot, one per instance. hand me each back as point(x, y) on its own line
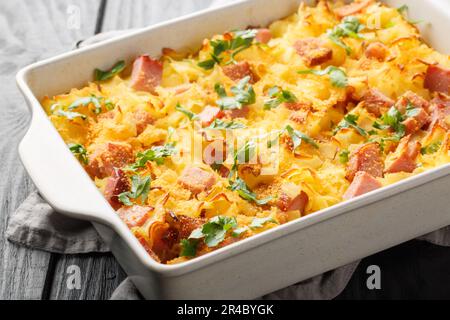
point(223, 125)
point(100, 75)
point(297, 137)
point(277, 97)
point(344, 156)
point(79, 151)
point(338, 77)
point(186, 112)
point(259, 222)
point(243, 94)
point(350, 121)
point(140, 187)
point(350, 27)
point(241, 188)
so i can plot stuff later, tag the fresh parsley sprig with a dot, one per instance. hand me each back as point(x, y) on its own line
point(155, 153)
point(393, 120)
point(297, 137)
point(338, 77)
point(350, 27)
point(100, 75)
point(186, 112)
point(83, 102)
point(260, 222)
point(243, 94)
point(350, 121)
point(140, 187)
point(219, 124)
point(278, 96)
point(79, 151)
point(431, 148)
point(222, 49)
point(242, 189)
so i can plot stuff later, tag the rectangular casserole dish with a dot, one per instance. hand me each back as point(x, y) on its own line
point(258, 265)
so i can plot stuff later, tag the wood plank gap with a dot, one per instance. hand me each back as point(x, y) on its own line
point(100, 16)
point(50, 275)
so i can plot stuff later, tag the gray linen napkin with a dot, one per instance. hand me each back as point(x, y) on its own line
point(35, 225)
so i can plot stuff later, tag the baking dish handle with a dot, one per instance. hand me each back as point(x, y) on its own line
point(58, 176)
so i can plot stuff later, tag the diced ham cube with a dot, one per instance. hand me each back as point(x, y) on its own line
point(377, 51)
point(134, 216)
point(142, 119)
point(209, 114)
point(107, 157)
point(313, 51)
point(376, 102)
point(238, 71)
point(362, 184)
point(196, 180)
point(437, 79)
point(405, 156)
point(367, 159)
point(115, 185)
point(237, 113)
point(291, 200)
point(263, 35)
point(414, 124)
point(352, 8)
point(440, 111)
point(185, 225)
point(411, 98)
point(299, 105)
point(146, 74)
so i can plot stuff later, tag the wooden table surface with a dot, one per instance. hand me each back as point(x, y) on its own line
point(31, 30)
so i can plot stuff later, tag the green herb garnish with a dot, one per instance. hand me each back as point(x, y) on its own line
point(241, 188)
point(393, 120)
point(156, 153)
point(338, 77)
point(186, 112)
point(350, 27)
point(224, 125)
point(70, 114)
point(221, 48)
point(83, 102)
point(404, 11)
point(277, 97)
point(140, 187)
point(79, 151)
point(344, 156)
point(350, 121)
point(243, 94)
point(431, 148)
point(259, 222)
point(100, 75)
point(297, 137)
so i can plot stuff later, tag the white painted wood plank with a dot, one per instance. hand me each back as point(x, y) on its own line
point(30, 30)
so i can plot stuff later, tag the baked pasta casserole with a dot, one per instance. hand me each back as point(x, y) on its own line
point(262, 126)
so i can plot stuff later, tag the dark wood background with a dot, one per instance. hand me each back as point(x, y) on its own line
point(31, 30)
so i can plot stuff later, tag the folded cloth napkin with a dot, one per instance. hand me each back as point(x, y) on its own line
point(35, 225)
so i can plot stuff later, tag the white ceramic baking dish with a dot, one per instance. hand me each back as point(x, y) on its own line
point(264, 263)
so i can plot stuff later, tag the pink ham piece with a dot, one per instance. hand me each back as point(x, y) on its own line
point(239, 71)
point(115, 185)
point(367, 159)
point(263, 35)
point(440, 111)
point(146, 74)
point(209, 114)
point(134, 216)
point(362, 184)
point(296, 203)
point(142, 119)
point(421, 118)
point(376, 102)
point(237, 113)
point(313, 51)
point(352, 8)
point(437, 79)
point(405, 157)
point(377, 51)
point(107, 157)
point(196, 180)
